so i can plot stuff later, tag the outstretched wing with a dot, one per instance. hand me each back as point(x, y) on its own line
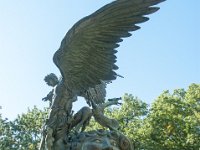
point(87, 53)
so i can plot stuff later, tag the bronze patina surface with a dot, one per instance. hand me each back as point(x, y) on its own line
point(86, 60)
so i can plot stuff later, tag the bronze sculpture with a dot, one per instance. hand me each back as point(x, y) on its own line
point(86, 60)
point(100, 140)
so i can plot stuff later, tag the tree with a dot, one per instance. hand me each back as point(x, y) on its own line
point(24, 132)
point(174, 120)
point(171, 123)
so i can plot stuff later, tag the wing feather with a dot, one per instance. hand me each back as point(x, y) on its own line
point(86, 56)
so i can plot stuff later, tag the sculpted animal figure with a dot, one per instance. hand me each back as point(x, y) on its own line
point(81, 119)
point(98, 113)
point(86, 58)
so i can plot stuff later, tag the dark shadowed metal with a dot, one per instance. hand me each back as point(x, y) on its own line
point(86, 60)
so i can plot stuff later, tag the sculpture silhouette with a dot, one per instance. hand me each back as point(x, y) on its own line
point(86, 60)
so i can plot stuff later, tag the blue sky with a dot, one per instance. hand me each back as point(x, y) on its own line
point(163, 54)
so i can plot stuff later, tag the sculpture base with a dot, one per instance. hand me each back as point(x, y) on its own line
point(98, 140)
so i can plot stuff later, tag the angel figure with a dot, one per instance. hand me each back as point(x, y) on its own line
point(86, 59)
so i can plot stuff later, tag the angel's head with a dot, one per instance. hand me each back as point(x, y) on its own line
point(51, 79)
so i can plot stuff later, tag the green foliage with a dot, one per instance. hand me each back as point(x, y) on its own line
point(171, 123)
point(130, 116)
point(174, 121)
point(24, 132)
